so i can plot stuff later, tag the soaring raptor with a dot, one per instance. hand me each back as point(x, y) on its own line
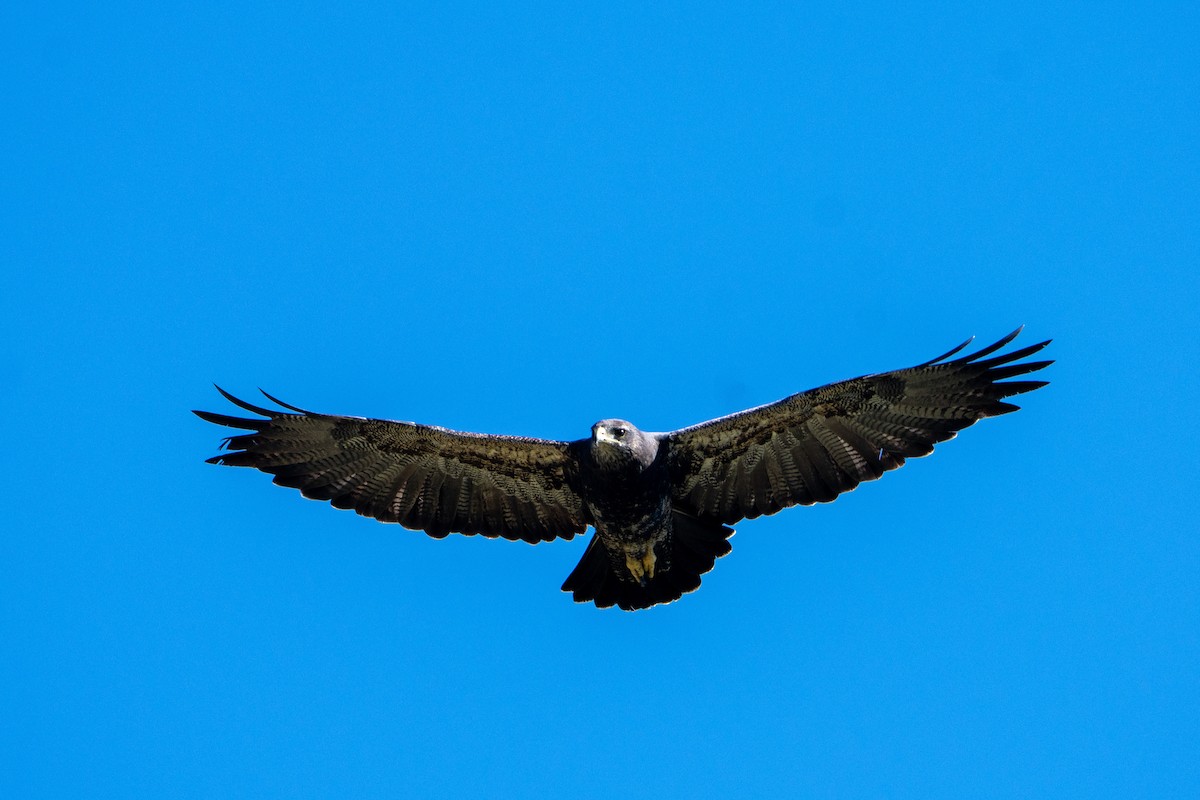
point(661, 503)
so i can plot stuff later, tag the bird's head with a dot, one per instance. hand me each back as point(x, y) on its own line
point(615, 432)
point(615, 441)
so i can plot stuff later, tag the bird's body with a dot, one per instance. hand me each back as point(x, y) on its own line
point(661, 503)
point(646, 551)
point(627, 493)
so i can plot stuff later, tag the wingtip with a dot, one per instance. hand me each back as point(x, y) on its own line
point(228, 421)
point(948, 353)
point(240, 403)
point(280, 403)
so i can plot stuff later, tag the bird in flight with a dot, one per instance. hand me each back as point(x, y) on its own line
point(661, 504)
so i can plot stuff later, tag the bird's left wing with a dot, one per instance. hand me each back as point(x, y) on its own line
point(423, 477)
point(812, 446)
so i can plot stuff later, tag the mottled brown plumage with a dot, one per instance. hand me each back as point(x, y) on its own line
point(661, 504)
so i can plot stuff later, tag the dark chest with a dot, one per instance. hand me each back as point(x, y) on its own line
point(629, 502)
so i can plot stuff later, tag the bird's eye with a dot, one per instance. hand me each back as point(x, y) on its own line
point(618, 432)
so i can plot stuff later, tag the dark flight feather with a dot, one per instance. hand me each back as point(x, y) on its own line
point(835, 437)
point(421, 476)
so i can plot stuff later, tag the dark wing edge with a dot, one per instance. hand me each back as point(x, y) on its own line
point(812, 446)
point(423, 477)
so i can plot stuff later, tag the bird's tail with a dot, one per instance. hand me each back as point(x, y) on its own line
point(695, 545)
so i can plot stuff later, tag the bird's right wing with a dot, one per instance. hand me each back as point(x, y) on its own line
point(423, 477)
point(812, 446)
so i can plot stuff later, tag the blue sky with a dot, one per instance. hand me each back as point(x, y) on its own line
point(521, 219)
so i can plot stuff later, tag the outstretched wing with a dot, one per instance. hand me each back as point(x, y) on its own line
point(812, 446)
point(423, 477)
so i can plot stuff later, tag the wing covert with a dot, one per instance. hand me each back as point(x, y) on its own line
point(812, 446)
point(421, 476)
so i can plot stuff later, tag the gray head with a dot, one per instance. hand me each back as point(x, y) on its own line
point(616, 442)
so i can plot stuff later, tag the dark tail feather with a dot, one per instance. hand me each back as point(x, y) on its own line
point(695, 547)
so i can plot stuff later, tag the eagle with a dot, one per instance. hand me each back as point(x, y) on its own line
point(662, 504)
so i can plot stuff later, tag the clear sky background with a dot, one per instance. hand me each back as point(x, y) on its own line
point(521, 219)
